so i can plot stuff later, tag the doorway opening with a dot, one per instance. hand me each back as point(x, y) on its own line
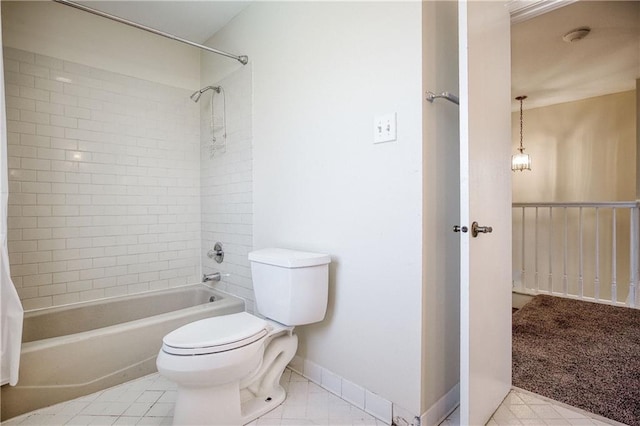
point(575, 214)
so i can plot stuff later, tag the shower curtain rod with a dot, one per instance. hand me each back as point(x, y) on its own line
point(242, 59)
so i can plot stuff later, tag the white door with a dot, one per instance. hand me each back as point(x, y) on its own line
point(485, 197)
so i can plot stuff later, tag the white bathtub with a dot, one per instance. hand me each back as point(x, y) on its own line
point(78, 349)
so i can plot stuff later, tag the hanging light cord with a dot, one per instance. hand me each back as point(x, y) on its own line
point(521, 98)
point(521, 161)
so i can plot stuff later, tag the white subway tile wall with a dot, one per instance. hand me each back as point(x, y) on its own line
point(227, 184)
point(104, 182)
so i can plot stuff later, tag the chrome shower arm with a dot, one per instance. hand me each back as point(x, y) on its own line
point(195, 96)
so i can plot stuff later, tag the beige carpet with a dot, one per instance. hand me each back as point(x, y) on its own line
point(583, 354)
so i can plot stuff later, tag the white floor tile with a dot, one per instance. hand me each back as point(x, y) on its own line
point(569, 414)
point(546, 411)
point(557, 422)
point(581, 422)
point(532, 422)
point(522, 411)
point(523, 408)
point(150, 401)
point(149, 396)
point(137, 409)
point(127, 420)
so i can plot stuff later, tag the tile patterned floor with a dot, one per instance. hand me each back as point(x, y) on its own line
point(524, 408)
point(149, 401)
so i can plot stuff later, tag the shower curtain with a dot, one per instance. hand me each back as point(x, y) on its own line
point(11, 312)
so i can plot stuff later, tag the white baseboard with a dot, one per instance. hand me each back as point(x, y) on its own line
point(442, 408)
point(373, 404)
point(378, 407)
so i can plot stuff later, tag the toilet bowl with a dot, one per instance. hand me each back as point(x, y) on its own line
point(228, 368)
point(219, 365)
point(213, 351)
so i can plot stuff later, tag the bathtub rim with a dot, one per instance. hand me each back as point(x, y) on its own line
point(223, 300)
point(123, 296)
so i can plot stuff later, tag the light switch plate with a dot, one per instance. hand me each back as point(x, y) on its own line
point(384, 128)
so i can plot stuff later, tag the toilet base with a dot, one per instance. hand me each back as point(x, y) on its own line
point(254, 407)
point(194, 405)
point(262, 392)
point(239, 403)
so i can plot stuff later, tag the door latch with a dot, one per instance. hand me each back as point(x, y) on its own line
point(477, 229)
point(458, 228)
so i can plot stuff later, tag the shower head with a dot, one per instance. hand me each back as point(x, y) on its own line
point(195, 97)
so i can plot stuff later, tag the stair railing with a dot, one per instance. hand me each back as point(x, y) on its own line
point(583, 250)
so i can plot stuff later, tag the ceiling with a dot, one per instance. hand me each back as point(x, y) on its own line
point(193, 20)
point(544, 67)
point(549, 70)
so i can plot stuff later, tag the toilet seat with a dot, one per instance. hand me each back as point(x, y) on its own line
point(217, 334)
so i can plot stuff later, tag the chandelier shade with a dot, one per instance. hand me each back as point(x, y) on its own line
point(520, 161)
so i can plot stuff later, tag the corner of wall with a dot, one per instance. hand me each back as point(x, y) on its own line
point(442, 408)
point(226, 181)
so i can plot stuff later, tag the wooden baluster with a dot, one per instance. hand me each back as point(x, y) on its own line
point(535, 256)
point(633, 256)
point(522, 274)
point(596, 283)
point(565, 282)
point(614, 295)
point(550, 286)
point(580, 256)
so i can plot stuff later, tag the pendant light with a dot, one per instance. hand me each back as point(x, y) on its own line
point(520, 161)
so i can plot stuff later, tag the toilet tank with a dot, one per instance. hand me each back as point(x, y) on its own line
point(291, 287)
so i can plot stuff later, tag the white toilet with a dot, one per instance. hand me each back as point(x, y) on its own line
point(228, 368)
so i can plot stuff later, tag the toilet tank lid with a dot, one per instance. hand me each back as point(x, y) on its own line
point(288, 258)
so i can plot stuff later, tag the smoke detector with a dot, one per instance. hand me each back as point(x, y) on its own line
point(576, 35)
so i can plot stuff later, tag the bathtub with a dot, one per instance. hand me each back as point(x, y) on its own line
point(78, 349)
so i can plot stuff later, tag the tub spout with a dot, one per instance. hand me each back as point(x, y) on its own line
point(216, 276)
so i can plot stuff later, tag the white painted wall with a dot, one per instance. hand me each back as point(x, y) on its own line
point(581, 151)
point(321, 72)
point(441, 204)
point(63, 32)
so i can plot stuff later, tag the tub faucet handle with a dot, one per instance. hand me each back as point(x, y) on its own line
point(216, 253)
